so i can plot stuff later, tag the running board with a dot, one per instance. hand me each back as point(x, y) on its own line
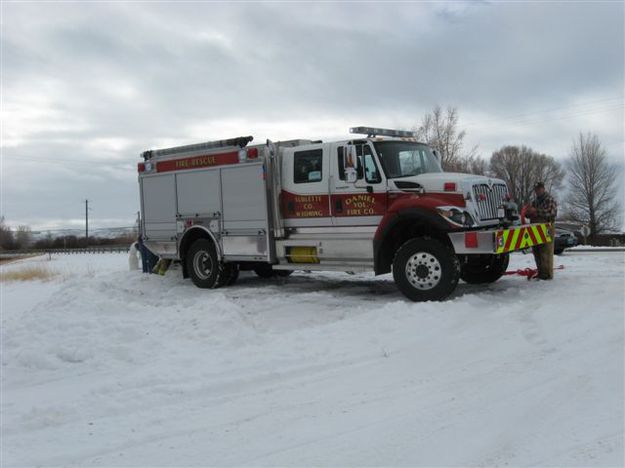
point(357, 267)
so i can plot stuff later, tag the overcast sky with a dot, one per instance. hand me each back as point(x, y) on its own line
point(87, 86)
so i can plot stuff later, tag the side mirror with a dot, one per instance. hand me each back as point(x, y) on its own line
point(436, 153)
point(350, 159)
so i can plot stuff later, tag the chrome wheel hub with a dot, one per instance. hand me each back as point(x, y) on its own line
point(202, 264)
point(423, 270)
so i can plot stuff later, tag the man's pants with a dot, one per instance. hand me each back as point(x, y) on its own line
point(148, 259)
point(543, 254)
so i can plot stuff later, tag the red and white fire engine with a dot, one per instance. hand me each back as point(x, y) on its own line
point(378, 202)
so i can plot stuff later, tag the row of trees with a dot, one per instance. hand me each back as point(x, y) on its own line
point(591, 192)
point(21, 238)
point(74, 242)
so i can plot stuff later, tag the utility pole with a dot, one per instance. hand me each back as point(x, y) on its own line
point(86, 223)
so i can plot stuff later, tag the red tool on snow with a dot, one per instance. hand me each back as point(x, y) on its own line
point(529, 272)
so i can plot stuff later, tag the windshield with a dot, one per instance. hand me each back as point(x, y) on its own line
point(404, 159)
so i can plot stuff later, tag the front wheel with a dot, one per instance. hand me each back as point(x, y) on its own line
point(482, 269)
point(425, 270)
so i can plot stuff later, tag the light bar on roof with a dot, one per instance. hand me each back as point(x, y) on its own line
point(370, 131)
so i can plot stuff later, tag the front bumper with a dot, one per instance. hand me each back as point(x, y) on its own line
point(499, 241)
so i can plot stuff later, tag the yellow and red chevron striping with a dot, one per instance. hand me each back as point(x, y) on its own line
point(518, 238)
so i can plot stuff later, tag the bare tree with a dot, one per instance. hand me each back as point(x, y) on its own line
point(439, 129)
point(521, 167)
point(7, 242)
point(23, 237)
point(472, 165)
point(592, 197)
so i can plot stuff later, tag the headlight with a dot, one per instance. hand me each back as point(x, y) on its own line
point(456, 216)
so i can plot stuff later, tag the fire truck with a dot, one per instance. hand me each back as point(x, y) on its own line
point(377, 202)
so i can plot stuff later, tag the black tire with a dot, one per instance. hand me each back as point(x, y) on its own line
point(559, 251)
point(234, 276)
point(482, 269)
point(425, 269)
point(203, 265)
point(264, 270)
point(229, 275)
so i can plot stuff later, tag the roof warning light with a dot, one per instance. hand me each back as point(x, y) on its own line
point(371, 132)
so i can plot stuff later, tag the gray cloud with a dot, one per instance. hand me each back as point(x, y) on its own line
point(97, 83)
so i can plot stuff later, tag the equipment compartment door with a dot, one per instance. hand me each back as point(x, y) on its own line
point(159, 207)
point(198, 193)
point(246, 233)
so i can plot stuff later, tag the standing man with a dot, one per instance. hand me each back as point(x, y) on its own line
point(543, 210)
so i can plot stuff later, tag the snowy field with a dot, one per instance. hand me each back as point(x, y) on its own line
point(103, 366)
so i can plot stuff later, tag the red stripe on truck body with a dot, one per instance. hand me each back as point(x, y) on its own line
point(196, 162)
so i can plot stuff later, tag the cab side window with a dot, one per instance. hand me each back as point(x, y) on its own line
point(372, 175)
point(340, 151)
point(307, 166)
point(366, 166)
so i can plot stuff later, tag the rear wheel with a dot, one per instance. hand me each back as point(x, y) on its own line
point(425, 270)
point(229, 275)
point(264, 270)
point(234, 276)
point(481, 269)
point(203, 265)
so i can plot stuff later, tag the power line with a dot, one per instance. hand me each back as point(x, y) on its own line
point(610, 101)
point(526, 120)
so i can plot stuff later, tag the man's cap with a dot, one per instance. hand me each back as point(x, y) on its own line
point(538, 185)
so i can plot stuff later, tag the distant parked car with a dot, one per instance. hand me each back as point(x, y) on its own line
point(564, 240)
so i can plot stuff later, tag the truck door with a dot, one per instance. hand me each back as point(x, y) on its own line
point(361, 202)
point(305, 187)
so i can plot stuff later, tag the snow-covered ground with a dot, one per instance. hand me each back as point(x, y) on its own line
point(103, 366)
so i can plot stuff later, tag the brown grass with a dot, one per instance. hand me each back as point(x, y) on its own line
point(28, 273)
point(5, 260)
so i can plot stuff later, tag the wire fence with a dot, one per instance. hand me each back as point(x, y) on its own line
point(81, 250)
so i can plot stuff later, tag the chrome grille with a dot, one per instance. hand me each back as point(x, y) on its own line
point(488, 199)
